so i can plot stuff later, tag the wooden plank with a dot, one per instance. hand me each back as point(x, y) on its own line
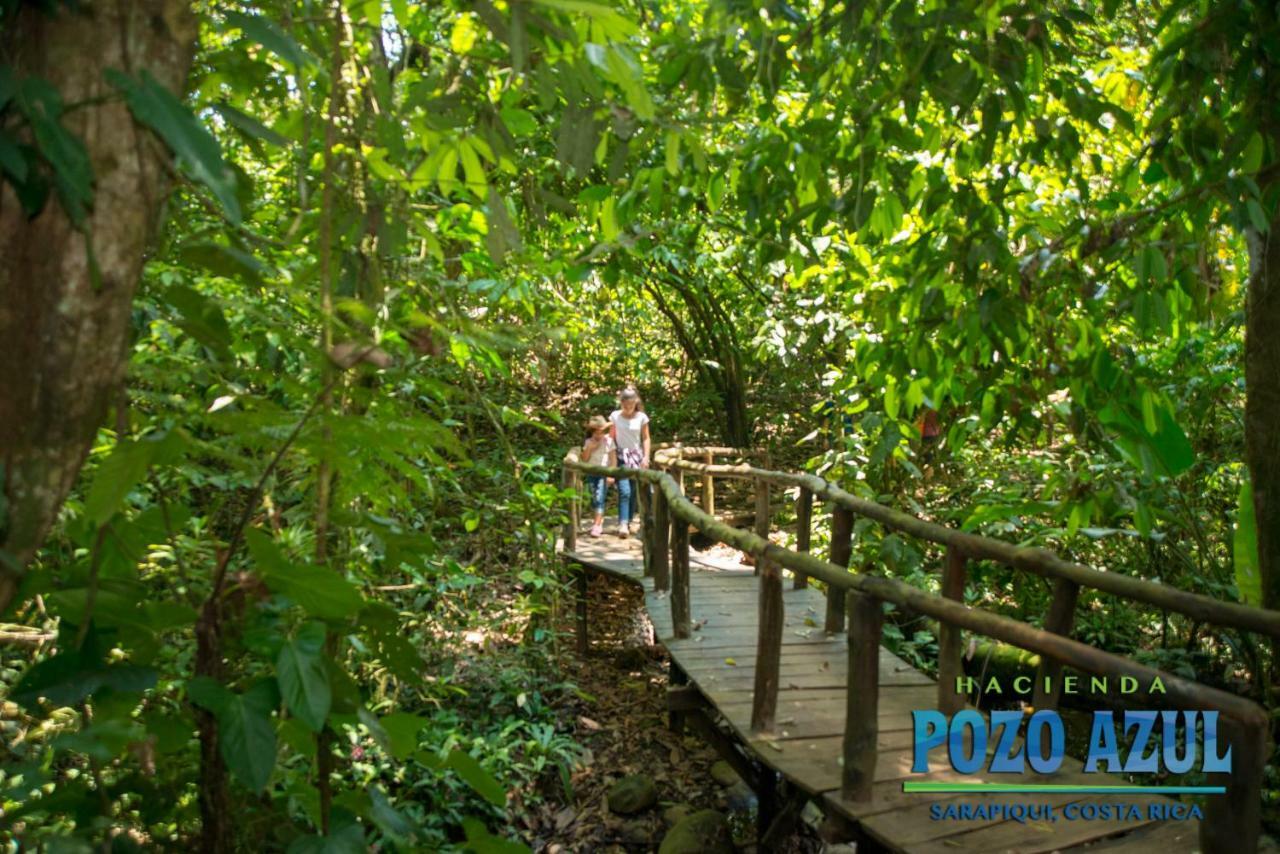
point(1169, 837)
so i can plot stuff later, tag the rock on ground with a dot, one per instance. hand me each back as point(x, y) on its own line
point(722, 772)
point(705, 832)
point(632, 794)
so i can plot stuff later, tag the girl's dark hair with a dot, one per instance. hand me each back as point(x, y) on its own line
point(629, 392)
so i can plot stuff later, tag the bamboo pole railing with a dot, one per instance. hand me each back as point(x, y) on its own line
point(1232, 822)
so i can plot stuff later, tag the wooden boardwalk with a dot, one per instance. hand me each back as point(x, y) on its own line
point(806, 745)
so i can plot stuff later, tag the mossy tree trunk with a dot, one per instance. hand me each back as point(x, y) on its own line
point(63, 328)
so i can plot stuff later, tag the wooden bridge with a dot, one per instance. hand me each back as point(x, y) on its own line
point(808, 706)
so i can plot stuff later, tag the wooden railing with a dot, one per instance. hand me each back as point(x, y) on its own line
point(1232, 822)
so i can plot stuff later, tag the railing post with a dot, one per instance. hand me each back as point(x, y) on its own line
point(661, 540)
point(863, 696)
point(804, 530)
point(709, 487)
point(950, 668)
point(1059, 620)
point(569, 479)
point(646, 523)
point(841, 549)
point(1233, 821)
point(580, 608)
point(762, 513)
point(764, 699)
point(681, 621)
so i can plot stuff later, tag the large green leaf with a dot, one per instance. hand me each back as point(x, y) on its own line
point(195, 147)
point(246, 736)
point(123, 469)
point(1245, 547)
point(64, 152)
point(304, 681)
point(320, 591)
point(474, 775)
point(269, 34)
point(76, 673)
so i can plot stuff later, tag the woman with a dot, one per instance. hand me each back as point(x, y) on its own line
point(631, 437)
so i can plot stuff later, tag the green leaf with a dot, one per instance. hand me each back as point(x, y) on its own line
point(471, 168)
point(1244, 547)
point(1257, 217)
point(481, 841)
point(8, 85)
point(123, 469)
point(1172, 445)
point(11, 159)
point(616, 26)
point(196, 149)
point(70, 676)
point(463, 36)
point(388, 819)
point(402, 731)
point(321, 592)
point(474, 775)
point(304, 681)
point(251, 126)
point(201, 318)
point(268, 34)
point(246, 737)
point(65, 153)
point(345, 837)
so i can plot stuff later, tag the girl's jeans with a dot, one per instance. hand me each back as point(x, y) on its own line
point(598, 489)
point(628, 498)
point(628, 489)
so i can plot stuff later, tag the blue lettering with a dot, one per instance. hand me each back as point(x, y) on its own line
point(1173, 762)
point(1035, 741)
point(1213, 762)
point(971, 762)
point(1102, 744)
point(1136, 761)
point(1008, 757)
point(929, 731)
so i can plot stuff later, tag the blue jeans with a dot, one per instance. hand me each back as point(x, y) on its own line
point(598, 489)
point(628, 499)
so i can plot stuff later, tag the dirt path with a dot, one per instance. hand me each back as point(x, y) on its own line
point(623, 725)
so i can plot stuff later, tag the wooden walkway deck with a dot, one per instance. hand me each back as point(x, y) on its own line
point(806, 748)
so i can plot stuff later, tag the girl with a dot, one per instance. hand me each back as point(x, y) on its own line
point(631, 435)
point(599, 450)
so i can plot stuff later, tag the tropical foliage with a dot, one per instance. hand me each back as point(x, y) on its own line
point(409, 247)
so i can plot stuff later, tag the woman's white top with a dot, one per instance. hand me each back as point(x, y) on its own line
point(629, 430)
point(599, 455)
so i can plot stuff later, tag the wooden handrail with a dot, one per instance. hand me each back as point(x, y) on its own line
point(1232, 822)
point(1035, 560)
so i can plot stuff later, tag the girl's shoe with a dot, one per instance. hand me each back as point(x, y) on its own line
point(635, 526)
point(597, 529)
point(623, 531)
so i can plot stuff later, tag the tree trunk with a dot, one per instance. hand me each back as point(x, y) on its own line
point(1262, 406)
point(63, 336)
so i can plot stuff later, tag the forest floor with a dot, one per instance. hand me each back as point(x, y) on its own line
point(622, 724)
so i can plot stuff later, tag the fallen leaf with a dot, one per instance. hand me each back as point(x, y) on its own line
point(731, 662)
